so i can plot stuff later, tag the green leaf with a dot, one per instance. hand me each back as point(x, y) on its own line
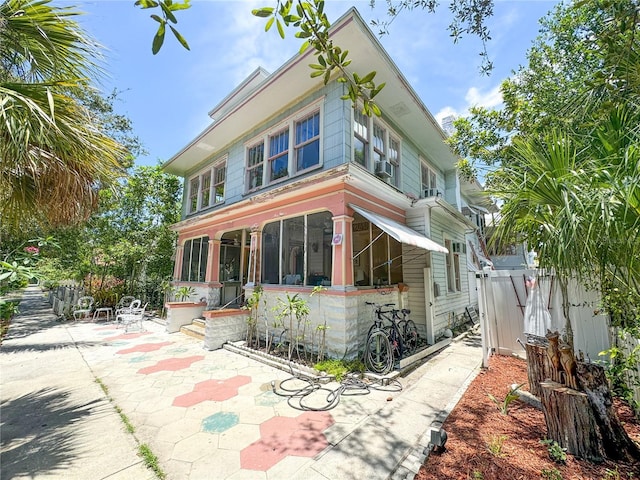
point(367, 78)
point(317, 73)
point(304, 47)
point(262, 12)
point(269, 24)
point(168, 13)
point(315, 66)
point(179, 5)
point(180, 38)
point(144, 4)
point(158, 40)
point(157, 18)
point(280, 28)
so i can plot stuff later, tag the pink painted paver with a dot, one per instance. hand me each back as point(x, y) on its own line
point(144, 347)
point(217, 390)
point(282, 436)
point(171, 364)
point(126, 336)
point(107, 327)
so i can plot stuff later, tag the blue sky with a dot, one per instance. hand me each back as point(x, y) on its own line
point(168, 96)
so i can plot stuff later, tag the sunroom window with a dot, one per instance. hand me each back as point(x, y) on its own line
point(377, 256)
point(297, 251)
point(194, 260)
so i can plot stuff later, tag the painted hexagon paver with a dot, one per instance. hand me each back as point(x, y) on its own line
point(218, 390)
point(144, 348)
point(126, 336)
point(301, 436)
point(171, 364)
point(219, 422)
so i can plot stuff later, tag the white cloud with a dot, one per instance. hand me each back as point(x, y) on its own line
point(490, 99)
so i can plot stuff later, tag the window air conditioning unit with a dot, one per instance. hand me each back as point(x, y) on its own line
point(432, 192)
point(459, 247)
point(383, 169)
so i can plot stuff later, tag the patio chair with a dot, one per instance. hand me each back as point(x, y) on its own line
point(127, 309)
point(135, 316)
point(83, 308)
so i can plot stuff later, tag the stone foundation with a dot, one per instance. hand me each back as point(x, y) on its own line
point(222, 326)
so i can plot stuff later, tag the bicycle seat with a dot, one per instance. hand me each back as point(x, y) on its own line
point(405, 311)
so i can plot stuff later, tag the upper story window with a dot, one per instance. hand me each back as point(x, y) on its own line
point(360, 138)
point(299, 135)
point(207, 188)
point(278, 155)
point(376, 148)
point(429, 187)
point(308, 142)
point(255, 166)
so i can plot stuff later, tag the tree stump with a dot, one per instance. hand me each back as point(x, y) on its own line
point(570, 421)
point(579, 413)
point(538, 368)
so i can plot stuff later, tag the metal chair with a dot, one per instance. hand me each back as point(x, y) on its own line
point(83, 308)
point(125, 310)
point(135, 316)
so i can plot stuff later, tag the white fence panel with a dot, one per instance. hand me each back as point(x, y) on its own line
point(506, 293)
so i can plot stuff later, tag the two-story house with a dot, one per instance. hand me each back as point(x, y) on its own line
point(292, 187)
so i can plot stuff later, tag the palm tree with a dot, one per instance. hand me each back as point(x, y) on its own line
point(54, 154)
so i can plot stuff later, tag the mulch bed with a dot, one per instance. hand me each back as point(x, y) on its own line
point(475, 424)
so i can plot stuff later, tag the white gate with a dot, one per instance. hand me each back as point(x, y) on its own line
point(502, 301)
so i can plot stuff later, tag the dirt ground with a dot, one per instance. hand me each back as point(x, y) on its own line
point(476, 426)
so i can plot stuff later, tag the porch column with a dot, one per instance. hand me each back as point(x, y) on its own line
point(342, 265)
point(213, 263)
point(253, 273)
point(177, 266)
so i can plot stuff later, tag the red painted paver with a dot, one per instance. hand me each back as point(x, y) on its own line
point(144, 347)
point(281, 436)
point(126, 336)
point(217, 390)
point(171, 364)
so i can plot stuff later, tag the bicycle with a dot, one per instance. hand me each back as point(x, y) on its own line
point(408, 330)
point(378, 353)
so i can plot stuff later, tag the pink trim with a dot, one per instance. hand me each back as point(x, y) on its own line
point(226, 312)
point(185, 304)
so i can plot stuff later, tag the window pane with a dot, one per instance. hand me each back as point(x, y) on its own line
point(279, 167)
point(193, 194)
point(380, 257)
point(271, 253)
point(395, 254)
point(308, 155)
point(206, 190)
point(186, 260)
point(359, 151)
point(319, 250)
point(194, 270)
point(220, 176)
point(361, 263)
point(256, 155)
point(255, 177)
point(378, 138)
point(293, 251)
point(308, 129)
point(204, 255)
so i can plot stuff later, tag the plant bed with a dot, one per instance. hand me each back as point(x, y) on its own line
point(485, 444)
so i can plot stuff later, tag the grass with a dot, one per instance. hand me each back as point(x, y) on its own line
point(339, 368)
point(144, 451)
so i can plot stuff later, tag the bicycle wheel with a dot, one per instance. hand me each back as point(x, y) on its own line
point(410, 334)
point(378, 356)
point(395, 340)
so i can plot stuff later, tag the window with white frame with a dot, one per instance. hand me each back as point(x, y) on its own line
point(360, 138)
point(268, 158)
point(429, 188)
point(376, 147)
point(453, 268)
point(307, 140)
point(278, 155)
point(255, 166)
point(195, 254)
point(194, 185)
point(207, 188)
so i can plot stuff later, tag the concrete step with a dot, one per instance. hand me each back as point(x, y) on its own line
point(194, 330)
point(200, 322)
